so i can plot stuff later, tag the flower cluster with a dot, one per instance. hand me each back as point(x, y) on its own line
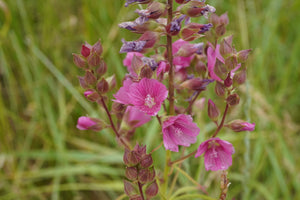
point(200, 56)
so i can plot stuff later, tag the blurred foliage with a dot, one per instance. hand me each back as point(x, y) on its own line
point(43, 155)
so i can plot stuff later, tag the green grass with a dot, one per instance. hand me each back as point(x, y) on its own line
point(43, 155)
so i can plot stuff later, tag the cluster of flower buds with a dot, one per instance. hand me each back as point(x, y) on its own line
point(139, 173)
point(93, 82)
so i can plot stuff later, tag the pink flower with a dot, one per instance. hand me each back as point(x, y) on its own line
point(148, 95)
point(179, 130)
point(128, 59)
point(163, 67)
point(217, 154)
point(85, 123)
point(212, 55)
point(122, 96)
point(135, 118)
point(179, 61)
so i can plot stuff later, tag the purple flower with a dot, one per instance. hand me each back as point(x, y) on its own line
point(135, 25)
point(148, 95)
point(122, 96)
point(179, 60)
point(150, 62)
point(212, 56)
point(135, 118)
point(85, 123)
point(179, 130)
point(217, 154)
point(132, 46)
point(240, 125)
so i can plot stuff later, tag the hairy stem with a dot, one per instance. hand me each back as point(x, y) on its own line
point(182, 158)
point(171, 93)
point(222, 122)
point(189, 108)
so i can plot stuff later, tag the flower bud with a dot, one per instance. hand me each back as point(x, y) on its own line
point(213, 111)
point(85, 50)
point(188, 49)
point(220, 89)
point(129, 188)
point(146, 72)
point(79, 61)
point(97, 48)
point(243, 55)
point(130, 158)
point(240, 125)
point(153, 11)
point(146, 175)
point(136, 1)
point(151, 190)
point(140, 149)
point(231, 62)
point(117, 107)
point(150, 37)
point(193, 31)
point(131, 173)
point(82, 82)
point(146, 161)
point(111, 82)
point(101, 69)
point(228, 81)
point(196, 84)
point(87, 123)
point(91, 95)
point(220, 70)
point(102, 86)
point(89, 78)
point(194, 9)
point(226, 46)
point(240, 77)
point(93, 59)
point(174, 27)
point(233, 99)
point(220, 30)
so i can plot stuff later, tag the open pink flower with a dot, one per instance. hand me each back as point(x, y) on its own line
point(85, 123)
point(179, 61)
point(135, 118)
point(122, 96)
point(148, 95)
point(217, 154)
point(179, 130)
point(212, 56)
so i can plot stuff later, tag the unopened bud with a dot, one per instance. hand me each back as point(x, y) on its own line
point(131, 173)
point(240, 77)
point(228, 81)
point(226, 46)
point(85, 50)
point(220, 70)
point(117, 107)
point(150, 37)
point(223, 19)
point(101, 69)
point(79, 61)
point(231, 62)
point(243, 55)
point(102, 86)
point(97, 48)
point(89, 78)
point(91, 95)
point(140, 149)
point(130, 158)
point(111, 82)
point(220, 30)
point(214, 19)
point(129, 188)
point(213, 111)
point(197, 84)
point(93, 59)
point(136, 63)
point(146, 72)
point(233, 99)
point(151, 190)
point(194, 9)
point(220, 89)
point(200, 67)
point(82, 82)
point(240, 125)
point(146, 175)
point(146, 161)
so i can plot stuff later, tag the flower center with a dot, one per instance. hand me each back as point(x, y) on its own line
point(178, 131)
point(149, 101)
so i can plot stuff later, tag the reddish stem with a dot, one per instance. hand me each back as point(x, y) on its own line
point(222, 122)
point(141, 190)
point(170, 59)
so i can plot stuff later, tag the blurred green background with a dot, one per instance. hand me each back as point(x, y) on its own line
point(43, 155)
